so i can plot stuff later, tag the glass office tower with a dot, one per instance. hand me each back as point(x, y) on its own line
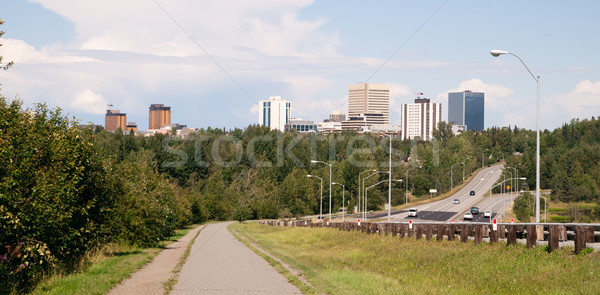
point(466, 108)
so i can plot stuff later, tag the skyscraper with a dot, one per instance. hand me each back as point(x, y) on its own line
point(274, 113)
point(159, 116)
point(466, 108)
point(114, 120)
point(370, 100)
point(419, 119)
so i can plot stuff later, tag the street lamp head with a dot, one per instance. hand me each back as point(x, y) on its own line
point(314, 161)
point(309, 175)
point(497, 52)
point(336, 183)
point(522, 178)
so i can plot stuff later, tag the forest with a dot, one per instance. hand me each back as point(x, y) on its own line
point(67, 189)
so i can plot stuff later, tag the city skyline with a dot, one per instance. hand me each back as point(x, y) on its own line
point(217, 63)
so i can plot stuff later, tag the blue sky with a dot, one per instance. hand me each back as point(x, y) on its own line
point(83, 55)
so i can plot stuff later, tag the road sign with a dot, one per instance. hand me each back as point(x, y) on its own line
point(387, 206)
point(508, 187)
point(433, 191)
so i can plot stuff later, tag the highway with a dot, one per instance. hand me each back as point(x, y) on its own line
point(445, 210)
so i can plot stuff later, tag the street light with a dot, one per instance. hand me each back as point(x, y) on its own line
point(343, 197)
point(501, 183)
point(364, 197)
point(360, 186)
point(463, 164)
point(321, 207)
point(497, 53)
point(451, 181)
point(367, 193)
point(314, 161)
point(406, 184)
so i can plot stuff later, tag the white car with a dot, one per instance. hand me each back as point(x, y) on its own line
point(487, 213)
point(412, 212)
point(468, 216)
point(456, 201)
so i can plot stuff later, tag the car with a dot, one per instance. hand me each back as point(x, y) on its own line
point(456, 201)
point(412, 212)
point(487, 213)
point(474, 210)
point(468, 216)
point(472, 193)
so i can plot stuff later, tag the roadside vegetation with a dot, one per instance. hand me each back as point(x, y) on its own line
point(339, 262)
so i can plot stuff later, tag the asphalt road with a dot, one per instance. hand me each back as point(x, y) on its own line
point(445, 210)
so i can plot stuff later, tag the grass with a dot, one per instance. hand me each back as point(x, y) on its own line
point(104, 269)
point(338, 262)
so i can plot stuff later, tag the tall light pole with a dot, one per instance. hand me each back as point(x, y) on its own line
point(497, 53)
point(406, 183)
point(390, 183)
point(343, 198)
point(367, 191)
point(364, 196)
point(321, 207)
point(360, 186)
point(314, 161)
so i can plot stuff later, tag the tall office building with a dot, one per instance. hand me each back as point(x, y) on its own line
point(274, 113)
point(466, 108)
point(419, 119)
point(114, 120)
point(159, 116)
point(371, 101)
point(337, 116)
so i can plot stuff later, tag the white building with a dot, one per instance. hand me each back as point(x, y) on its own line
point(419, 119)
point(370, 100)
point(274, 113)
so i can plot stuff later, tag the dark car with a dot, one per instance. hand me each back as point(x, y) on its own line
point(472, 193)
point(474, 210)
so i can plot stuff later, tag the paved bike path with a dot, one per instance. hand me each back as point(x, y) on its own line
point(220, 264)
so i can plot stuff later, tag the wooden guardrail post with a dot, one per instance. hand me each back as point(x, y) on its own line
point(441, 230)
point(411, 231)
point(394, 229)
point(464, 233)
point(418, 231)
point(494, 234)
point(501, 232)
point(532, 231)
point(429, 229)
point(451, 232)
point(553, 237)
point(402, 230)
point(583, 235)
point(512, 235)
point(478, 233)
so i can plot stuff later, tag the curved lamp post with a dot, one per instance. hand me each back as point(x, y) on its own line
point(314, 161)
point(321, 207)
point(360, 187)
point(496, 53)
point(367, 192)
point(364, 194)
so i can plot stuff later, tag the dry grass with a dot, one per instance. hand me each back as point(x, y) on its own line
point(337, 262)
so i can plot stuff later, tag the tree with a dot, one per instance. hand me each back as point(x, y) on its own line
point(8, 65)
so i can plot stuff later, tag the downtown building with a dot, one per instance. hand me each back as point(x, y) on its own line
point(368, 104)
point(420, 119)
point(274, 113)
point(466, 109)
point(159, 116)
point(114, 120)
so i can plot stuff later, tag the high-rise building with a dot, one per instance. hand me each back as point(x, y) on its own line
point(337, 116)
point(371, 101)
point(419, 119)
point(114, 120)
point(274, 113)
point(131, 126)
point(159, 116)
point(466, 108)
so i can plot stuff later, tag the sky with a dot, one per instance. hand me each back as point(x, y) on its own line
point(212, 61)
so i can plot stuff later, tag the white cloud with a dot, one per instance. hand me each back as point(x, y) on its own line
point(22, 53)
point(89, 102)
point(582, 102)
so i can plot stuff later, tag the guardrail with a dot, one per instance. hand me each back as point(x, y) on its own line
point(550, 233)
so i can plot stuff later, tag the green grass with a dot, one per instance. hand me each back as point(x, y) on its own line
point(338, 262)
point(104, 269)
